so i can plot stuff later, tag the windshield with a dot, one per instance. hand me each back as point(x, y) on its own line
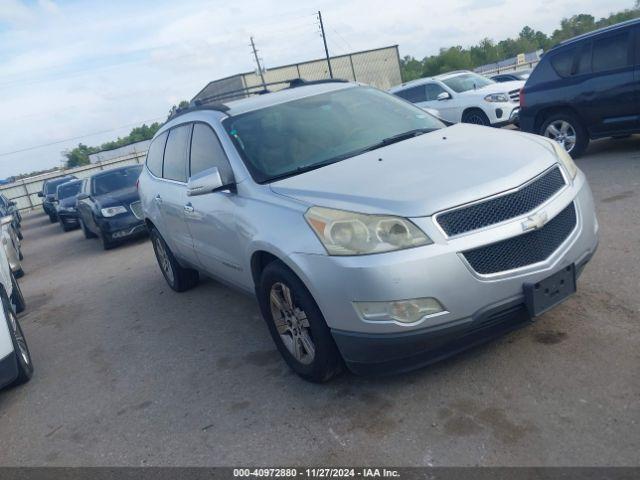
point(116, 180)
point(310, 132)
point(52, 185)
point(467, 81)
point(68, 190)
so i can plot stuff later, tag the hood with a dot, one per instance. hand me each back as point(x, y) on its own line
point(504, 87)
point(426, 174)
point(124, 196)
point(67, 202)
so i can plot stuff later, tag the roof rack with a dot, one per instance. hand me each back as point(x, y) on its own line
point(214, 102)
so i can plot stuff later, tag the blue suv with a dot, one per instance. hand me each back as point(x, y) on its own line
point(586, 88)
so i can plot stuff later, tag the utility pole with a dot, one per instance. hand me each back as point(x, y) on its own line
point(255, 55)
point(324, 39)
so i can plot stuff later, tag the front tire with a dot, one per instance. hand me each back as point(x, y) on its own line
point(296, 325)
point(476, 117)
point(20, 347)
point(178, 277)
point(53, 218)
point(567, 130)
point(87, 233)
point(16, 296)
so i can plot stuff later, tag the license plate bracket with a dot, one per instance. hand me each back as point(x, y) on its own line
point(549, 292)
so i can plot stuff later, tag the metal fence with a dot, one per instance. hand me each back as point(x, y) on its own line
point(379, 67)
point(521, 62)
point(25, 192)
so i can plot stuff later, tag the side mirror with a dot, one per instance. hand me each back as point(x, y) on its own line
point(40, 194)
point(82, 196)
point(443, 96)
point(6, 220)
point(205, 182)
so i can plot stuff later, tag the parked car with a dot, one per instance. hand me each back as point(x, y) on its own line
point(466, 97)
point(66, 211)
point(369, 233)
point(11, 207)
point(48, 195)
point(511, 76)
point(11, 245)
point(16, 366)
point(586, 88)
point(109, 206)
point(8, 210)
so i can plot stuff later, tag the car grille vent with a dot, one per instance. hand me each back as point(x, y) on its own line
point(136, 209)
point(527, 249)
point(504, 207)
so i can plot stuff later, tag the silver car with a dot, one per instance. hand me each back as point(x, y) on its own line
point(372, 236)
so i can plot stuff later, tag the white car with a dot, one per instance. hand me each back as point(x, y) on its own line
point(11, 245)
point(16, 366)
point(464, 96)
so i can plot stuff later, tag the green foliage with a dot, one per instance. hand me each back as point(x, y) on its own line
point(528, 40)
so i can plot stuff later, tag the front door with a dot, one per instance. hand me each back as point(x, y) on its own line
point(212, 217)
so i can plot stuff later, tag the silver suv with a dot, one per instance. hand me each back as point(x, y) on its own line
point(372, 236)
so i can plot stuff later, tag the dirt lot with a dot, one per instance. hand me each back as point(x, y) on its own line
point(130, 373)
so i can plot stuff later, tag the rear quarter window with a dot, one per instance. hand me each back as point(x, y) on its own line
point(562, 61)
point(155, 155)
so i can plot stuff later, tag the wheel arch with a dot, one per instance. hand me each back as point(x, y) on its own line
point(545, 113)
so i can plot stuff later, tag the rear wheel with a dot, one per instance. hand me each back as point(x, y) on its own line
point(476, 116)
point(16, 296)
point(53, 218)
point(297, 325)
point(178, 277)
point(566, 129)
point(20, 347)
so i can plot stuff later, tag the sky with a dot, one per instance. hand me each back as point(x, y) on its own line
point(88, 71)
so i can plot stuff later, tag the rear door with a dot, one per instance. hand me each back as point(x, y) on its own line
point(172, 192)
point(609, 95)
point(212, 217)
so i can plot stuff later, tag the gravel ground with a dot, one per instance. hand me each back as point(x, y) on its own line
point(130, 373)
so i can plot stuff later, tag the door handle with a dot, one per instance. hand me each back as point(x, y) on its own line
point(158, 199)
point(188, 208)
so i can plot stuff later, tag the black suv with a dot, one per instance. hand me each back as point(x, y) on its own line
point(587, 87)
point(48, 195)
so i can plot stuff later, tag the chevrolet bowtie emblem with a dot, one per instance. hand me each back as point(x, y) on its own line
point(535, 221)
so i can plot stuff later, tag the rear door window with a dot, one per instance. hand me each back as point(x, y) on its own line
point(584, 59)
point(611, 53)
point(176, 154)
point(414, 94)
point(155, 154)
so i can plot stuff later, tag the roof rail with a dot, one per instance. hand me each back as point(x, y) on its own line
point(262, 89)
point(198, 105)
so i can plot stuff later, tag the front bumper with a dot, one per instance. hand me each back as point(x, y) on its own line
point(501, 114)
point(122, 226)
point(477, 307)
point(68, 217)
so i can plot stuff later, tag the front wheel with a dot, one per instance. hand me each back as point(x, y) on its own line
point(20, 347)
point(178, 277)
point(87, 233)
point(16, 295)
point(53, 218)
point(297, 325)
point(566, 129)
point(476, 117)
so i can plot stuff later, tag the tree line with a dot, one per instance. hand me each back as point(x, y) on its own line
point(488, 51)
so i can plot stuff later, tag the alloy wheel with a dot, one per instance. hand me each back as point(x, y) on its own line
point(562, 132)
point(20, 340)
point(163, 260)
point(292, 324)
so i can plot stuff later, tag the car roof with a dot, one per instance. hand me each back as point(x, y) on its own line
point(597, 32)
point(73, 180)
point(454, 73)
point(256, 102)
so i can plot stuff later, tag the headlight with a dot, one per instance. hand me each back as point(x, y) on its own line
point(349, 233)
point(404, 311)
point(565, 159)
point(113, 211)
point(497, 97)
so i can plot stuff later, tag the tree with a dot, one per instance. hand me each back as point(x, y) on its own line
point(174, 109)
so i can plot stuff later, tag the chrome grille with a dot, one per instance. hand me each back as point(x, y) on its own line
point(526, 249)
point(504, 207)
point(514, 95)
point(136, 209)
